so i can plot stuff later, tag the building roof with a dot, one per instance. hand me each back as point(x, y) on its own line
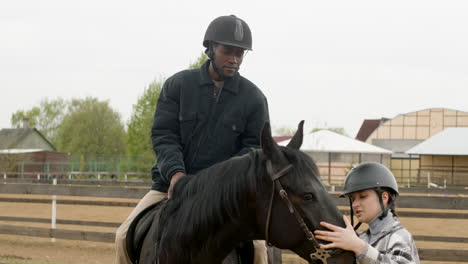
point(450, 141)
point(20, 151)
point(396, 145)
point(329, 141)
point(11, 137)
point(368, 126)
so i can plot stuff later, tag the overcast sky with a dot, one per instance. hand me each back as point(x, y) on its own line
point(331, 63)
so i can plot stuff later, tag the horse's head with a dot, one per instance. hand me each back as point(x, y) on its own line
point(297, 200)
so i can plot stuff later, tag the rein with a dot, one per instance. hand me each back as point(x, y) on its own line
point(321, 254)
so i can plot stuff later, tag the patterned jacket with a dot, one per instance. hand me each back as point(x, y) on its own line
point(388, 242)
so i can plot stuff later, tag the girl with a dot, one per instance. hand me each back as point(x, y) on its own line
point(372, 190)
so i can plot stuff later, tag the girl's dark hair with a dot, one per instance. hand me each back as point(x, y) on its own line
point(391, 200)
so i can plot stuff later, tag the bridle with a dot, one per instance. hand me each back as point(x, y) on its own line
point(321, 254)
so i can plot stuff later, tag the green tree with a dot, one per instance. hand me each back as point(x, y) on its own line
point(141, 121)
point(91, 128)
point(46, 117)
point(199, 61)
point(139, 126)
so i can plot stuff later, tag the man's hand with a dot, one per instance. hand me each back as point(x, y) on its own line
point(175, 177)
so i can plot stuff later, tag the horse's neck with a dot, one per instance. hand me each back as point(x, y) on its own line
point(211, 246)
point(234, 224)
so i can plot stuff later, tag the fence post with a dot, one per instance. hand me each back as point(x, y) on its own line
point(53, 224)
point(428, 180)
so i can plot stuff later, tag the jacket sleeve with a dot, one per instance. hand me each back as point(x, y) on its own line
point(165, 133)
point(400, 250)
point(257, 118)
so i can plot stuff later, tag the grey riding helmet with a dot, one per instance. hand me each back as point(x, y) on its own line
point(229, 30)
point(369, 175)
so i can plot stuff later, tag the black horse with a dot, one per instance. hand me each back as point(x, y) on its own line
point(272, 194)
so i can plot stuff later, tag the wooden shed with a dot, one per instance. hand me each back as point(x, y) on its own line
point(26, 151)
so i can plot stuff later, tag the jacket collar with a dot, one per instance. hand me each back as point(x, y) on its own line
point(231, 84)
point(379, 228)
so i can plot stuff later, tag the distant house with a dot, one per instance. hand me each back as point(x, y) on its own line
point(25, 150)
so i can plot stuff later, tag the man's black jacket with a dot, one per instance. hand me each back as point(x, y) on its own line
point(194, 129)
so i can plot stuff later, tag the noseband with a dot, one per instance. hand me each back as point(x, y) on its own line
point(321, 254)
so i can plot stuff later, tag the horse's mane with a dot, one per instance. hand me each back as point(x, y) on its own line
point(203, 202)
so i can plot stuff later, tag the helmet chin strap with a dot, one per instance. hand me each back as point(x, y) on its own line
point(384, 210)
point(217, 70)
point(220, 74)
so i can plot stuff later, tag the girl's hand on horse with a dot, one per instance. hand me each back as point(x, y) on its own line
point(175, 177)
point(344, 238)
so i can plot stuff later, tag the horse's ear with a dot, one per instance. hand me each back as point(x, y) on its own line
point(296, 141)
point(268, 144)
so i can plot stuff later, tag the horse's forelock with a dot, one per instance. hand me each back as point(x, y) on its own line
point(302, 163)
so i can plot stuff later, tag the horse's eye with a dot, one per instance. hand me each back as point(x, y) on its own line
point(308, 197)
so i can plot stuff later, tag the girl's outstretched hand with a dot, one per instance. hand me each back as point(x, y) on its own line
point(344, 238)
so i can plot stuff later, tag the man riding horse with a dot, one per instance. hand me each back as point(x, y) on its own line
point(204, 116)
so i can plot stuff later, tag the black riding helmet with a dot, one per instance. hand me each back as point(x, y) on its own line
point(229, 30)
point(226, 30)
point(370, 175)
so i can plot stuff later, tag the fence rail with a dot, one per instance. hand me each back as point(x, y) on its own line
point(425, 254)
point(74, 175)
point(57, 233)
point(404, 201)
point(58, 221)
point(415, 214)
point(114, 224)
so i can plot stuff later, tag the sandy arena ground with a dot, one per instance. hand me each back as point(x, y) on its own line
point(30, 250)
